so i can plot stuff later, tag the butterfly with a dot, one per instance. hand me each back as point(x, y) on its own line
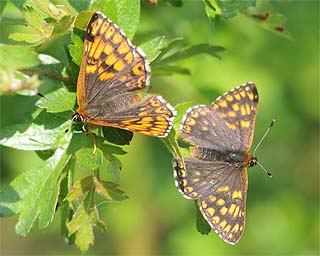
point(112, 72)
point(216, 173)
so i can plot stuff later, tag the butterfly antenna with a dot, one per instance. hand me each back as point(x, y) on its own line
point(273, 121)
point(268, 173)
point(259, 144)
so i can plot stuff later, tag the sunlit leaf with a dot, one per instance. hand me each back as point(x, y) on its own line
point(125, 13)
point(114, 167)
point(34, 194)
point(80, 5)
point(54, 11)
point(81, 226)
point(63, 26)
point(82, 19)
point(109, 190)
point(76, 48)
point(26, 58)
point(226, 8)
point(153, 47)
point(79, 188)
point(87, 160)
point(57, 101)
point(169, 70)
point(35, 136)
point(189, 51)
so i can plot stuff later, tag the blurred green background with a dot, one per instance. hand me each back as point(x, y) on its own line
point(282, 212)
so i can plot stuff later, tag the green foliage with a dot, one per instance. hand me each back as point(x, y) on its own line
point(72, 179)
point(202, 226)
point(117, 136)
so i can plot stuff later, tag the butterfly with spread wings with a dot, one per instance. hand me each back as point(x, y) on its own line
point(112, 72)
point(216, 173)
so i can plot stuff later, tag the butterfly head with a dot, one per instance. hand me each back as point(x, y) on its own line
point(253, 161)
point(77, 117)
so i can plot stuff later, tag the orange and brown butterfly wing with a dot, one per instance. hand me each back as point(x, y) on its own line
point(216, 174)
point(111, 72)
point(151, 115)
point(221, 191)
point(228, 124)
point(110, 63)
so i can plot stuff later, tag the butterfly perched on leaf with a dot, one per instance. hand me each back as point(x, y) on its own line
point(112, 73)
point(216, 173)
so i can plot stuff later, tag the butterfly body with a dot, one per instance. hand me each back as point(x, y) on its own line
point(112, 73)
point(216, 173)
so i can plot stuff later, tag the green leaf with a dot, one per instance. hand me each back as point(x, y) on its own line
point(114, 167)
point(81, 226)
point(117, 136)
point(170, 47)
point(125, 13)
point(58, 101)
point(63, 26)
point(37, 30)
point(35, 193)
point(82, 19)
point(54, 11)
point(111, 149)
point(213, 12)
point(65, 209)
point(273, 22)
point(50, 63)
point(2, 5)
point(87, 160)
point(29, 37)
point(25, 59)
point(109, 190)
point(19, 3)
point(79, 188)
point(51, 186)
point(201, 224)
point(227, 8)
point(80, 5)
point(153, 47)
point(169, 70)
point(181, 109)
point(45, 154)
point(35, 136)
point(12, 196)
point(95, 218)
point(189, 51)
point(76, 48)
point(35, 21)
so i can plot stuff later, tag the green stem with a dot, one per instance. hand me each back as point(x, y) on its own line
point(49, 74)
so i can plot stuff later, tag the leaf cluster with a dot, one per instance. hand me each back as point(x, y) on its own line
point(73, 180)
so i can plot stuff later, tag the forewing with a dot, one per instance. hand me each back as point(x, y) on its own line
point(151, 115)
point(226, 125)
point(221, 191)
point(110, 65)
